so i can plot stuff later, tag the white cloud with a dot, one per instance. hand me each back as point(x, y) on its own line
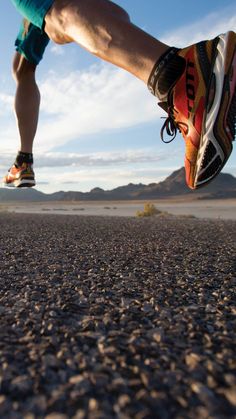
point(57, 49)
point(207, 28)
point(101, 98)
point(106, 178)
point(98, 159)
point(6, 103)
point(107, 170)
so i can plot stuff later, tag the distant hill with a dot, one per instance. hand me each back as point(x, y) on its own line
point(22, 195)
point(223, 187)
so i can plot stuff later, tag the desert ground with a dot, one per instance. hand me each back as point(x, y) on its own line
point(215, 209)
point(117, 317)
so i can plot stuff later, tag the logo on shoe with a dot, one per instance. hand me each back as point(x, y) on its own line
point(190, 87)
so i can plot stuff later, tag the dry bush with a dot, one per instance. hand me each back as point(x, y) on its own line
point(148, 211)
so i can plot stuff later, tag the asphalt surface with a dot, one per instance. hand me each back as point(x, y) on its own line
point(109, 317)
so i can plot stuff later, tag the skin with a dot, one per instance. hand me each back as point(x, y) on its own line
point(105, 30)
point(26, 111)
point(102, 28)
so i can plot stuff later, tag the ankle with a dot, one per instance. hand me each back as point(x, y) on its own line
point(165, 73)
point(23, 157)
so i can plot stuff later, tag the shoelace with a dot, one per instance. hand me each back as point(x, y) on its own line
point(171, 126)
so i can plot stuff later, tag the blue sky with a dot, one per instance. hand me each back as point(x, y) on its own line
point(98, 125)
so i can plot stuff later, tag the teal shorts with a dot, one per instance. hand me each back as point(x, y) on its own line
point(33, 10)
point(31, 43)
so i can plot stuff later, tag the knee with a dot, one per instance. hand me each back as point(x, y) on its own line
point(21, 68)
point(84, 15)
point(118, 12)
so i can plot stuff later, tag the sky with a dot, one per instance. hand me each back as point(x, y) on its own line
point(99, 126)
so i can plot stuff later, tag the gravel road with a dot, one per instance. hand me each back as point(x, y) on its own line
point(109, 317)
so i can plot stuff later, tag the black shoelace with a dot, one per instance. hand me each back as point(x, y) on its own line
point(170, 126)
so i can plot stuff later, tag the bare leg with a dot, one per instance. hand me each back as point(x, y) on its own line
point(27, 101)
point(105, 30)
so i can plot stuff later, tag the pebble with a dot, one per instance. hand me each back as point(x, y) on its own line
point(105, 317)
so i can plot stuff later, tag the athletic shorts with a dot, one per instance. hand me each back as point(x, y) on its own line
point(33, 10)
point(31, 43)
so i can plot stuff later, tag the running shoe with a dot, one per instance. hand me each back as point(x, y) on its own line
point(20, 177)
point(202, 106)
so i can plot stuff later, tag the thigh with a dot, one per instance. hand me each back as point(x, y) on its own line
point(82, 21)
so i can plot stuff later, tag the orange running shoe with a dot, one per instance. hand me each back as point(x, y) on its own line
point(202, 106)
point(20, 177)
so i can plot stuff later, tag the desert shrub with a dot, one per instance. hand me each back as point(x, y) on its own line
point(148, 211)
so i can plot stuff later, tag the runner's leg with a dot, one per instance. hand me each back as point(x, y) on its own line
point(105, 30)
point(27, 101)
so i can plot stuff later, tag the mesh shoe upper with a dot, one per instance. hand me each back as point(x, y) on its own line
point(22, 176)
point(201, 106)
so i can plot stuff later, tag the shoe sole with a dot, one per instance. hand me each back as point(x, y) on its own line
point(21, 183)
point(24, 183)
point(216, 142)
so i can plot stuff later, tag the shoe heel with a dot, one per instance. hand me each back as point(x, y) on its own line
point(227, 47)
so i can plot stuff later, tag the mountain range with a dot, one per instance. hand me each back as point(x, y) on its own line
point(223, 187)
